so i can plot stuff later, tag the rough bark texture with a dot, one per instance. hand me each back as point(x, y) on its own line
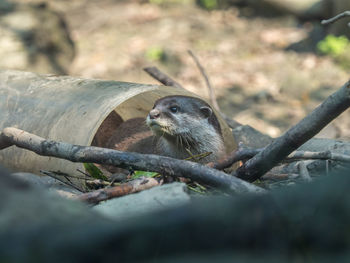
point(334, 148)
point(281, 147)
point(126, 160)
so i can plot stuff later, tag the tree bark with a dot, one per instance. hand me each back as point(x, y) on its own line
point(282, 146)
point(126, 160)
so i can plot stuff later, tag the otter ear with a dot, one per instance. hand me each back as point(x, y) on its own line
point(207, 112)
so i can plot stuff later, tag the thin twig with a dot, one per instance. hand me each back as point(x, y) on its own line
point(56, 176)
point(243, 153)
point(335, 18)
point(326, 155)
point(196, 157)
point(212, 95)
point(161, 77)
point(134, 186)
point(86, 174)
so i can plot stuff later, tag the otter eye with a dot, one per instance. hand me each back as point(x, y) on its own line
point(174, 109)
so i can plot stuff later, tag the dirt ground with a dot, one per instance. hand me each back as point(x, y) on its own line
point(258, 81)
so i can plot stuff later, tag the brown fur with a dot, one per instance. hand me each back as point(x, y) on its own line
point(107, 129)
point(194, 129)
point(132, 136)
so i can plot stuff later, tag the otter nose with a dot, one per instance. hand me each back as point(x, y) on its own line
point(154, 114)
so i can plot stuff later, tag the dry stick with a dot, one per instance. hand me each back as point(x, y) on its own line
point(126, 160)
point(204, 74)
point(231, 123)
point(335, 18)
point(326, 155)
point(57, 177)
point(281, 147)
point(247, 153)
point(161, 77)
point(134, 186)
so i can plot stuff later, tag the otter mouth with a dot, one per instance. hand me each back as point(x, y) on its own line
point(158, 128)
point(154, 124)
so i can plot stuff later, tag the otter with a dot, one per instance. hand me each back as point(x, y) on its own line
point(178, 127)
point(185, 125)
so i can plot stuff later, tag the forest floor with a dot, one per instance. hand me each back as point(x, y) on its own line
point(259, 80)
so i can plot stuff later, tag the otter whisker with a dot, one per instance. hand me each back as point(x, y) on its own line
point(182, 144)
point(186, 124)
point(187, 142)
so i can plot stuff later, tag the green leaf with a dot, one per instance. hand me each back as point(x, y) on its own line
point(155, 54)
point(333, 46)
point(94, 171)
point(138, 174)
point(198, 189)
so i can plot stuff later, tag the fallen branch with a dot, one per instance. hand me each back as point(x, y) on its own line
point(242, 154)
point(281, 147)
point(161, 77)
point(326, 155)
point(335, 18)
point(126, 160)
point(134, 186)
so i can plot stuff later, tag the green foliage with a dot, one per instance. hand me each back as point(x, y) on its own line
point(197, 188)
point(208, 4)
point(333, 46)
point(138, 174)
point(94, 171)
point(336, 47)
point(155, 54)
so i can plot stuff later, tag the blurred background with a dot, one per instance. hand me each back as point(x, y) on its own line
point(269, 61)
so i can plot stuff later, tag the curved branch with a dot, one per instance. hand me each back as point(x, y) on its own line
point(335, 18)
point(281, 147)
point(126, 160)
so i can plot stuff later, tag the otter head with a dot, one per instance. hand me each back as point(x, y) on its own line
point(181, 116)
